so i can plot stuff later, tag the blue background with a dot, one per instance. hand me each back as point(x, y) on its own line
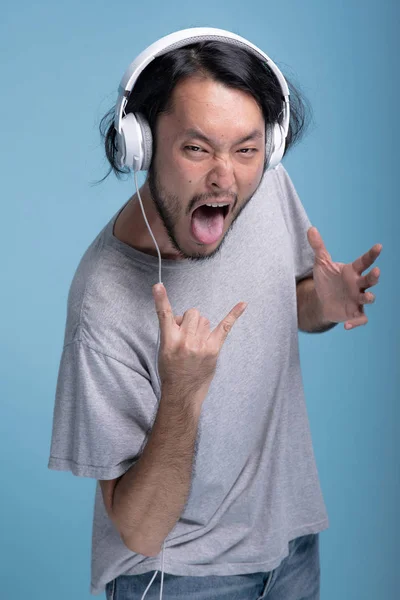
point(62, 66)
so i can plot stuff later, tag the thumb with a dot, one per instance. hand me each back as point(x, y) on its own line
point(317, 244)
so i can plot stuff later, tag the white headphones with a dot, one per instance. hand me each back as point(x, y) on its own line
point(134, 140)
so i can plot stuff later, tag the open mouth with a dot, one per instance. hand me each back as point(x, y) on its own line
point(207, 223)
point(225, 207)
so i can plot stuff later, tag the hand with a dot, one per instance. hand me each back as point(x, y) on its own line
point(188, 351)
point(341, 287)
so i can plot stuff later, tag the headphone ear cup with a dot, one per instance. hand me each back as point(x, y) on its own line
point(120, 147)
point(147, 142)
point(130, 150)
point(269, 144)
point(135, 143)
point(277, 136)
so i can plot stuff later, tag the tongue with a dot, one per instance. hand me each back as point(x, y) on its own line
point(207, 224)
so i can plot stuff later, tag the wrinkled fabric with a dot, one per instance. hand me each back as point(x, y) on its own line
point(255, 484)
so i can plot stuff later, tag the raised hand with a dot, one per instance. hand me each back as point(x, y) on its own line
point(341, 287)
point(189, 351)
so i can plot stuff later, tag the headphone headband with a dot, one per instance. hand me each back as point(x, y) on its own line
point(183, 38)
point(133, 134)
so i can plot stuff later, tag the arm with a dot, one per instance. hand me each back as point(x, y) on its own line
point(309, 309)
point(148, 499)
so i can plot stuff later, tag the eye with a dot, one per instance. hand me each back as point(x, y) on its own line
point(198, 150)
point(248, 150)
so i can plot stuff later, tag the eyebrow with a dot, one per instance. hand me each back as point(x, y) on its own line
point(193, 132)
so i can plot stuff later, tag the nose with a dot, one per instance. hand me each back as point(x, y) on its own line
point(222, 175)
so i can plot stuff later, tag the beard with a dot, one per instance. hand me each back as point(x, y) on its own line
point(169, 209)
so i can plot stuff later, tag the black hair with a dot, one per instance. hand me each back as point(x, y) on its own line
point(229, 64)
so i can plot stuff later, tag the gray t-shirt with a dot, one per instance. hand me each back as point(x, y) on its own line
point(254, 481)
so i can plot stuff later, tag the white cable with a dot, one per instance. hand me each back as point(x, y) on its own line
point(148, 227)
point(159, 382)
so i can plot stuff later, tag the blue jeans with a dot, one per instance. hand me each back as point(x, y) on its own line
point(296, 578)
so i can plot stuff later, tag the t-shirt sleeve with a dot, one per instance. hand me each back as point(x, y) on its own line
point(298, 224)
point(101, 414)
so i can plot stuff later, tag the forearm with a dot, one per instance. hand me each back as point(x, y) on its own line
point(309, 309)
point(150, 497)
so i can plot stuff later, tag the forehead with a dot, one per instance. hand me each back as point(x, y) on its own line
point(203, 103)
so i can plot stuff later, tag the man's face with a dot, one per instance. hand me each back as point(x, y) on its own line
point(188, 170)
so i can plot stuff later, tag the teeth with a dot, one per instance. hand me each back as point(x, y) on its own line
point(217, 205)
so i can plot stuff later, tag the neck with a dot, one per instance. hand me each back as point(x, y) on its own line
point(130, 227)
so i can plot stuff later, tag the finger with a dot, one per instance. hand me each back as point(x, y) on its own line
point(163, 309)
point(367, 298)
point(204, 324)
point(317, 244)
point(353, 323)
point(202, 321)
point(223, 328)
point(369, 279)
point(190, 321)
point(367, 259)
point(358, 313)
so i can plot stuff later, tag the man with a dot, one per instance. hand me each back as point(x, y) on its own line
point(211, 467)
